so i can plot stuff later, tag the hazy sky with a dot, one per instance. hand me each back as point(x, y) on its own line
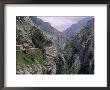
point(61, 23)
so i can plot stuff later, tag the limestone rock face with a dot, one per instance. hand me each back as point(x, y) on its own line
point(35, 52)
point(79, 51)
point(51, 50)
point(27, 69)
point(50, 58)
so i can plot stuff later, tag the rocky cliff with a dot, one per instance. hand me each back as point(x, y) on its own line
point(75, 27)
point(35, 54)
point(79, 50)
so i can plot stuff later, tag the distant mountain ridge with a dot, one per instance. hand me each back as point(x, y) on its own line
point(45, 26)
point(74, 27)
point(58, 38)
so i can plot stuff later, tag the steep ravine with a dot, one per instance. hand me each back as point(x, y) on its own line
point(42, 51)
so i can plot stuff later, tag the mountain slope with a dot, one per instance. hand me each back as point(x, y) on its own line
point(31, 49)
point(75, 27)
point(79, 50)
point(58, 38)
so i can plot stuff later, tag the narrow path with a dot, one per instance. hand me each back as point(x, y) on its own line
point(27, 49)
point(36, 49)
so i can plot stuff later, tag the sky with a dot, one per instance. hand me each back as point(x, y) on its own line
point(61, 23)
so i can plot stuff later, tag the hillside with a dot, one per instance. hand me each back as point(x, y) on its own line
point(31, 49)
point(79, 51)
point(75, 27)
point(50, 32)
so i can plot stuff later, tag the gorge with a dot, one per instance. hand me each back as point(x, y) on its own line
point(42, 49)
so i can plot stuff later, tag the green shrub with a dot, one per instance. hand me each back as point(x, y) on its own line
point(30, 57)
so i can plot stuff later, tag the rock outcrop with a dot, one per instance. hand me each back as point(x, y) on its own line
point(35, 53)
point(50, 59)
